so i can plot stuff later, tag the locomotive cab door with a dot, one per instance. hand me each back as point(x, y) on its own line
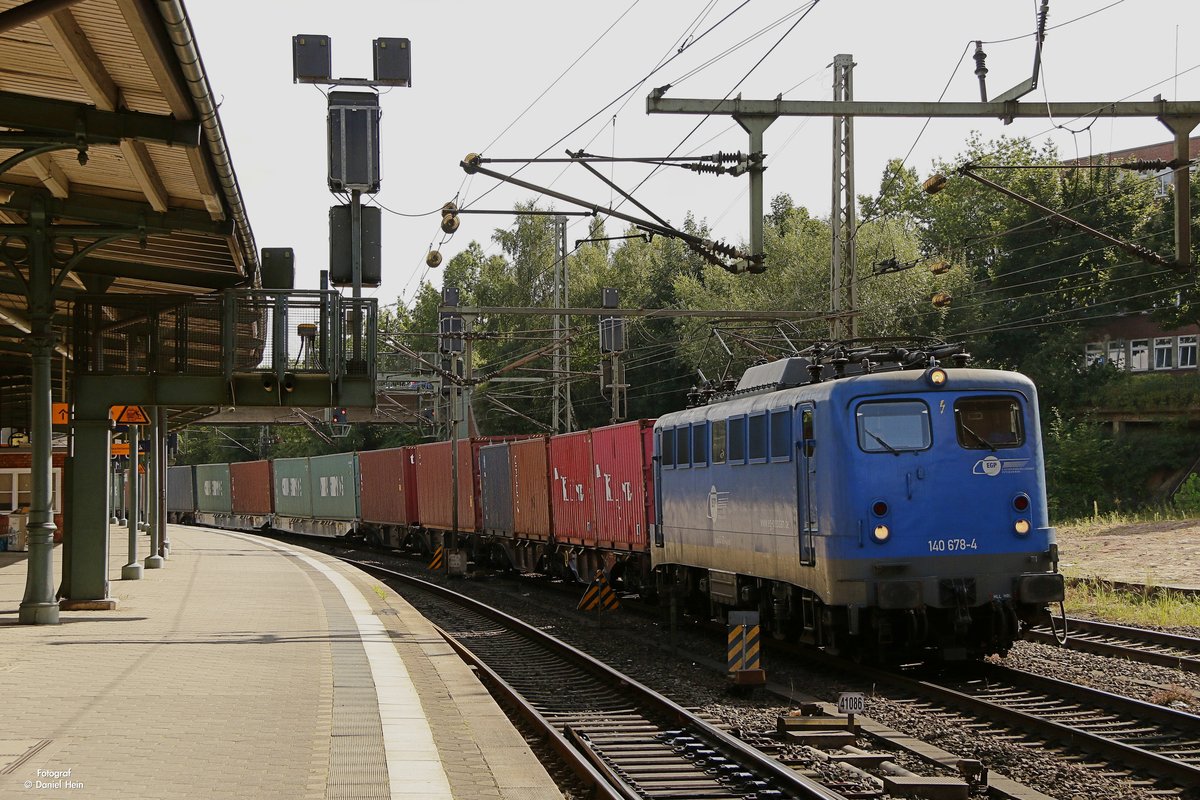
point(806, 504)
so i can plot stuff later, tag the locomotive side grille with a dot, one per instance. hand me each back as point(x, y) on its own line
point(956, 592)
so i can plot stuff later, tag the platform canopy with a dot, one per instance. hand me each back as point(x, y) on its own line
point(108, 123)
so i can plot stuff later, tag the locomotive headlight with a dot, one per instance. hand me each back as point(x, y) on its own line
point(936, 377)
point(1021, 526)
point(881, 533)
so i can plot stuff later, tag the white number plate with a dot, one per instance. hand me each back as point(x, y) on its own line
point(851, 702)
point(952, 545)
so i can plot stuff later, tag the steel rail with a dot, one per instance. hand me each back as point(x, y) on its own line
point(786, 778)
point(1119, 641)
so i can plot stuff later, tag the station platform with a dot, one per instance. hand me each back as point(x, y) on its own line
point(246, 669)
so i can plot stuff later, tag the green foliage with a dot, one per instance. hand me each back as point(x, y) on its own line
point(1187, 497)
point(1076, 452)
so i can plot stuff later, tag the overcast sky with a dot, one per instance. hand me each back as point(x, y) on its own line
point(477, 67)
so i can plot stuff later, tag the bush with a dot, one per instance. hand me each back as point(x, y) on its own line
point(1187, 497)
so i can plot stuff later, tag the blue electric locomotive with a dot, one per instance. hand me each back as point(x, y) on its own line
point(888, 514)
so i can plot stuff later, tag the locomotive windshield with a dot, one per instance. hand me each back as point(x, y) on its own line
point(988, 423)
point(893, 426)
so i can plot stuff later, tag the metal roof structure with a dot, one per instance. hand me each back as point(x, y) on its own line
point(107, 122)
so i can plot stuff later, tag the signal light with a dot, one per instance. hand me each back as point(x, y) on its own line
point(881, 533)
point(340, 416)
point(1022, 527)
point(880, 508)
point(936, 377)
point(1021, 502)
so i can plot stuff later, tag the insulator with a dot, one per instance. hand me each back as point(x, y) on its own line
point(711, 169)
point(940, 267)
point(449, 223)
point(941, 299)
point(470, 164)
point(934, 184)
point(433, 260)
point(449, 208)
point(726, 158)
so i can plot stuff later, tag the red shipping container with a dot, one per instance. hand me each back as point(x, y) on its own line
point(388, 491)
point(530, 462)
point(572, 488)
point(250, 488)
point(434, 482)
point(621, 498)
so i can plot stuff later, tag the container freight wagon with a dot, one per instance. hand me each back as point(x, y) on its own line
point(333, 480)
point(293, 495)
point(572, 488)
point(213, 498)
point(622, 455)
point(181, 494)
point(387, 497)
point(252, 497)
point(435, 493)
point(530, 467)
point(495, 487)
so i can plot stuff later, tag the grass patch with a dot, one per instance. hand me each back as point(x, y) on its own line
point(1156, 607)
point(1099, 523)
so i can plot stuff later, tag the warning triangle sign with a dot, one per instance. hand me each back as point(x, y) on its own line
point(130, 415)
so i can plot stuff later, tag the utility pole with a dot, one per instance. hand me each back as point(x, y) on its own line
point(843, 273)
point(561, 403)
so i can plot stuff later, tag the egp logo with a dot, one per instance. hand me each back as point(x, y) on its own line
point(989, 466)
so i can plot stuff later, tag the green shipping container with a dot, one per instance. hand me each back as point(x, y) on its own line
point(334, 481)
point(212, 489)
point(293, 492)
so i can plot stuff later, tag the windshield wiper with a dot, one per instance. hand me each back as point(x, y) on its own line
point(887, 446)
point(977, 437)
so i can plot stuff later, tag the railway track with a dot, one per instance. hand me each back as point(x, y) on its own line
point(1119, 641)
point(1140, 740)
point(622, 739)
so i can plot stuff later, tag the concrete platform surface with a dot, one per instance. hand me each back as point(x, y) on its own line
point(246, 669)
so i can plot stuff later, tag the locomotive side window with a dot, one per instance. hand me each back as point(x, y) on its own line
point(718, 441)
point(781, 435)
point(683, 447)
point(758, 437)
point(988, 423)
point(667, 447)
point(737, 440)
point(893, 426)
point(700, 444)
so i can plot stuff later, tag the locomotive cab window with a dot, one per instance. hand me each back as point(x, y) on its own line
point(988, 423)
point(893, 426)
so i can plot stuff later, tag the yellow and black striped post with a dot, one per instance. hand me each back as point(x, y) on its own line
point(439, 556)
point(743, 649)
point(599, 596)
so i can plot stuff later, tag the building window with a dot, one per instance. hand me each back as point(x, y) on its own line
point(1116, 354)
point(1093, 354)
point(1164, 353)
point(1187, 352)
point(16, 491)
point(1139, 355)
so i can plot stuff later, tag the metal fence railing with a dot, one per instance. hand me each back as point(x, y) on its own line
point(226, 333)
